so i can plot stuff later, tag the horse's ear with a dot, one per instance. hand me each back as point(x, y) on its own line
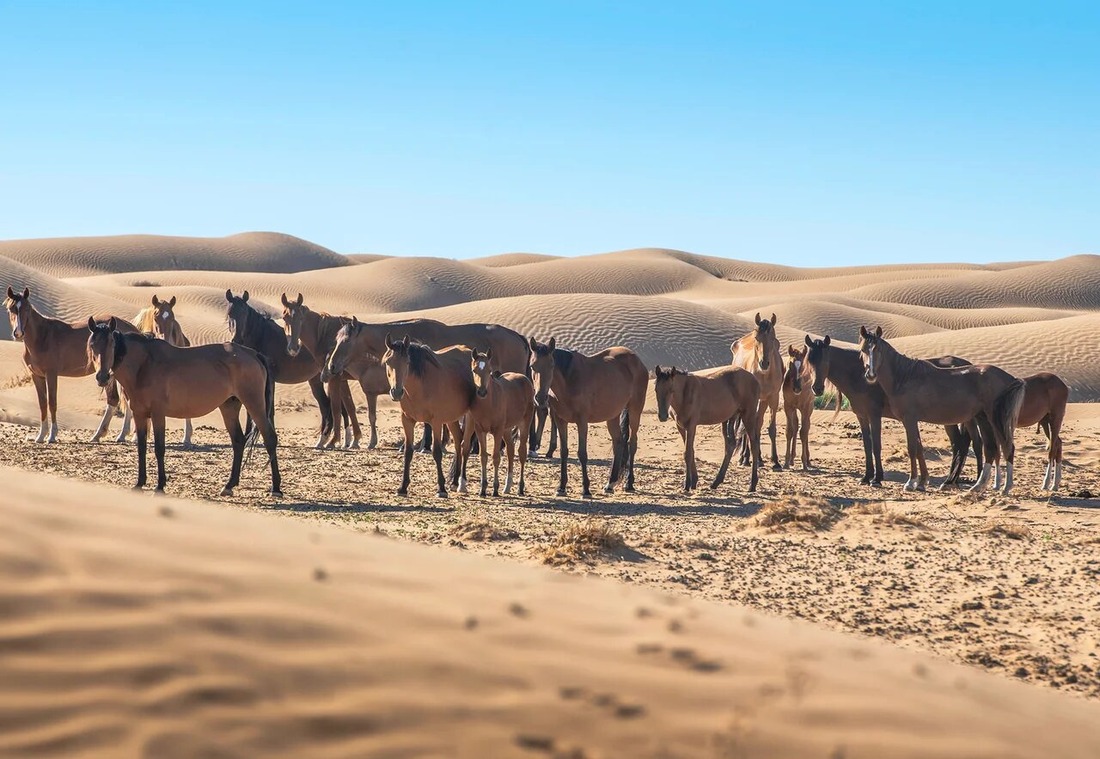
point(792, 351)
point(657, 371)
point(91, 322)
point(389, 341)
point(11, 294)
point(156, 300)
point(774, 320)
point(405, 342)
point(551, 344)
point(862, 331)
point(286, 303)
point(531, 341)
point(229, 295)
point(489, 354)
point(826, 341)
point(757, 318)
point(244, 296)
point(26, 293)
point(809, 342)
point(113, 324)
point(878, 331)
point(172, 302)
point(299, 299)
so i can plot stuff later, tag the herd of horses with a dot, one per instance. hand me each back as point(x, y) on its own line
point(472, 381)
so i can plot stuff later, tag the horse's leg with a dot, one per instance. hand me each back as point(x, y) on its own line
point(634, 421)
point(483, 455)
point(324, 405)
point(497, 444)
point(352, 436)
point(51, 390)
point(792, 434)
point(916, 456)
point(538, 424)
point(876, 448)
point(127, 420)
point(563, 439)
point(409, 424)
point(757, 460)
point(728, 440)
point(158, 451)
point(43, 427)
point(231, 415)
point(437, 454)
point(259, 413)
point(807, 412)
point(108, 412)
point(187, 430)
point(691, 477)
point(372, 418)
point(552, 445)
point(141, 425)
point(510, 447)
point(461, 457)
point(868, 458)
point(959, 448)
point(774, 407)
point(618, 454)
point(582, 456)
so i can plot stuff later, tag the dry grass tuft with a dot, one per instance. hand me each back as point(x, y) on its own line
point(16, 380)
point(883, 515)
point(1009, 530)
point(809, 514)
point(584, 541)
point(479, 532)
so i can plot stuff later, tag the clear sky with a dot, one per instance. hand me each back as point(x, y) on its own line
point(802, 133)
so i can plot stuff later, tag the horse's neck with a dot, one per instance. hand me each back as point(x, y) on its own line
point(845, 368)
point(894, 367)
point(137, 353)
point(37, 328)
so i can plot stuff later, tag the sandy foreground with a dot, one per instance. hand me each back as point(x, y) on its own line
point(312, 626)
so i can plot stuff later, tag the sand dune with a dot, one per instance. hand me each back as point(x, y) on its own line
point(133, 627)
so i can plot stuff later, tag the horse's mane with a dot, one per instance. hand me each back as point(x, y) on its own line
point(420, 356)
point(563, 360)
point(146, 319)
point(254, 322)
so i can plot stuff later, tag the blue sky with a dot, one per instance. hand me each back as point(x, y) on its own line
point(801, 133)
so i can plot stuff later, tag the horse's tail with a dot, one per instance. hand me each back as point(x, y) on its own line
point(624, 424)
point(269, 404)
point(1006, 410)
point(839, 403)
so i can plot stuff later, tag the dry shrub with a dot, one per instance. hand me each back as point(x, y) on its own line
point(587, 540)
point(883, 515)
point(810, 514)
point(17, 380)
point(482, 531)
point(1009, 530)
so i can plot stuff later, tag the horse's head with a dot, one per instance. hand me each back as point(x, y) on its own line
point(483, 371)
point(340, 355)
point(870, 352)
point(18, 305)
point(542, 370)
point(104, 349)
point(766, 341)
point(817, 355)
point(665, 388)
point(794, 367)
point(237, 313)
point(164, 318)
point(293, 314)
point(396, 361)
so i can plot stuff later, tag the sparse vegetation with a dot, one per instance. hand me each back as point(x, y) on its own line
point(144, 283)
point(827, 400)
point(1009, 530)
point(586, 540)
point(481, 531)
point(810, 514)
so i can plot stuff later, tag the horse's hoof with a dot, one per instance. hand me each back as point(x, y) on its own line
point(586, 494)
point(137, 487)
point(442, 494)
point(226, 492)
point(276, 493)
point(628, 488)
point(561, 492)
point(876, 483)
point(402, 491)
point(609, 489)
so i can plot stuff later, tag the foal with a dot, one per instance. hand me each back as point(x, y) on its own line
point(161, 380)
point(798, 377)
point(723, 396)
point(759, 353)
point(503, 404)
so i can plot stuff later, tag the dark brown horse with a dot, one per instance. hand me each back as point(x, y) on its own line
point(434, 388)
point(1045, 399)
point(759, 353)
point(359, 347)
point(503, 404)
point(254, 330)
point(51, 349)
point(844, 369)
point(723, 395)
point(919, 391)
point(317, 333)
point(161, 380)
point(609, 386)
point(798, 402)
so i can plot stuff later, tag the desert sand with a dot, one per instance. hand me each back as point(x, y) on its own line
point(253, 626)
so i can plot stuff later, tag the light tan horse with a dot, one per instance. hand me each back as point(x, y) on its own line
point(798, 401)
point(317, 332)
point(609, 386)
point(759, 353)
point(434, 388)
point(503, 404)
point(161, 380)
point(723, 395)
point(51, 349)
point(159, 320)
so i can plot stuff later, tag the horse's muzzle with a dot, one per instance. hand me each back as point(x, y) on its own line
point(397, 393)
point(293, 352)
point(326, 375)
point(482, 392)
point(662, 415)
point(870, 377)
point(102, 378)
point(819, 389)
point(541, 402)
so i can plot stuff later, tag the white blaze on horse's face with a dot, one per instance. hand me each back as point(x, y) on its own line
point(15, 315)
point(872, 371)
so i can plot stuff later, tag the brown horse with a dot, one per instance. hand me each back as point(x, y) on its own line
point(1045, 399)
point(759, 353)
point(434, 388)
point(844, 369)
point(503, 404)
point(158, 320)
point(254, 330)
point(161, 380)
point(51, 349)
point(317, 333)
point(359, 347)
point(722, 395)
point(919, 391)
point(609, 386)
point(796, 403)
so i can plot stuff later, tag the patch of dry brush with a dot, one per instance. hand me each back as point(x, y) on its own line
point(809, 514)
point(586, 540)
point(479, 532)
